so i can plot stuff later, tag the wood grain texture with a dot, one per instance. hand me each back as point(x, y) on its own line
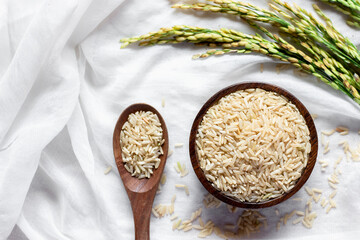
point(235, 202)
point(141, 192)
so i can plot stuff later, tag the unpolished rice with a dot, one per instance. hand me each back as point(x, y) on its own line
point(197, 227)
point(163, 179)
point(187, 228)
point(278, 226)
point(328, 209)
point(296, 221)
point(232, 209)
point(314, 116)
point(332, 185)
point(324, 202)
point(155, 213)
point(277, 212)
point(248, 222)
point(253, 145)
point(107, 170)
point(176, 224)
point(195, 214)
point(328, 133)
point(299, 213)
point(141, 139)
point(309, 191)
point(316, 190)
point(210, 201)
point(341, 129)
point(170, 153)
point(317, 198)
point(332, 195)
point(183, 186)
point(173, 217)
point(332, 203)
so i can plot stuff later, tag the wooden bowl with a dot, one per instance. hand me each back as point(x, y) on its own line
point(233, 201)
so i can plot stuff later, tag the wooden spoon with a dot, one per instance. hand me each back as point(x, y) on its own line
point(141, 192)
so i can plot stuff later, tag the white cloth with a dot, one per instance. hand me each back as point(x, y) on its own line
point(64, 81)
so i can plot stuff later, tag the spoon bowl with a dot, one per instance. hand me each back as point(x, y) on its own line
point(141, 192)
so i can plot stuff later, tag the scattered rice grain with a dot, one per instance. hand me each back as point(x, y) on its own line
point(300, 213)
point(108, 170)
point(306, 223)
point(328, 209)
point(184, 187)
point(317, 198)
point(232, 209)
point(176, 224)
point(332, 195)
point(229, 226)
point(314, 116)
point(310, 206)
point(332, 185)
point(170, 153)
point(342, 129)
point(325, 203)
point(322, 140)
point(155, 213)
point(188, 228)
point(317, 190)
point(173, 217)
point(278, 226)
point(163, 179)
point(201, 222)
point(198, 227)
point(296, 221)
point(332, 203)
point(328, 133)
point(309, 191)
point(277, 212)
point(196, 214)
point(177, 168)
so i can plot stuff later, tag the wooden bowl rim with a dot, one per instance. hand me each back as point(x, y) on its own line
point(268, 87)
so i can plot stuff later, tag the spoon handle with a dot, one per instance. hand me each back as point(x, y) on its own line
point(141, 204)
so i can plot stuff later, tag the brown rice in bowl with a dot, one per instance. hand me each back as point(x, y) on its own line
point(252, 145)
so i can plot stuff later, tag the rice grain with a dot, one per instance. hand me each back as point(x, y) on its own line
point(108, 170)
point(178, 145)
point(296, 221)
point(328, 133)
